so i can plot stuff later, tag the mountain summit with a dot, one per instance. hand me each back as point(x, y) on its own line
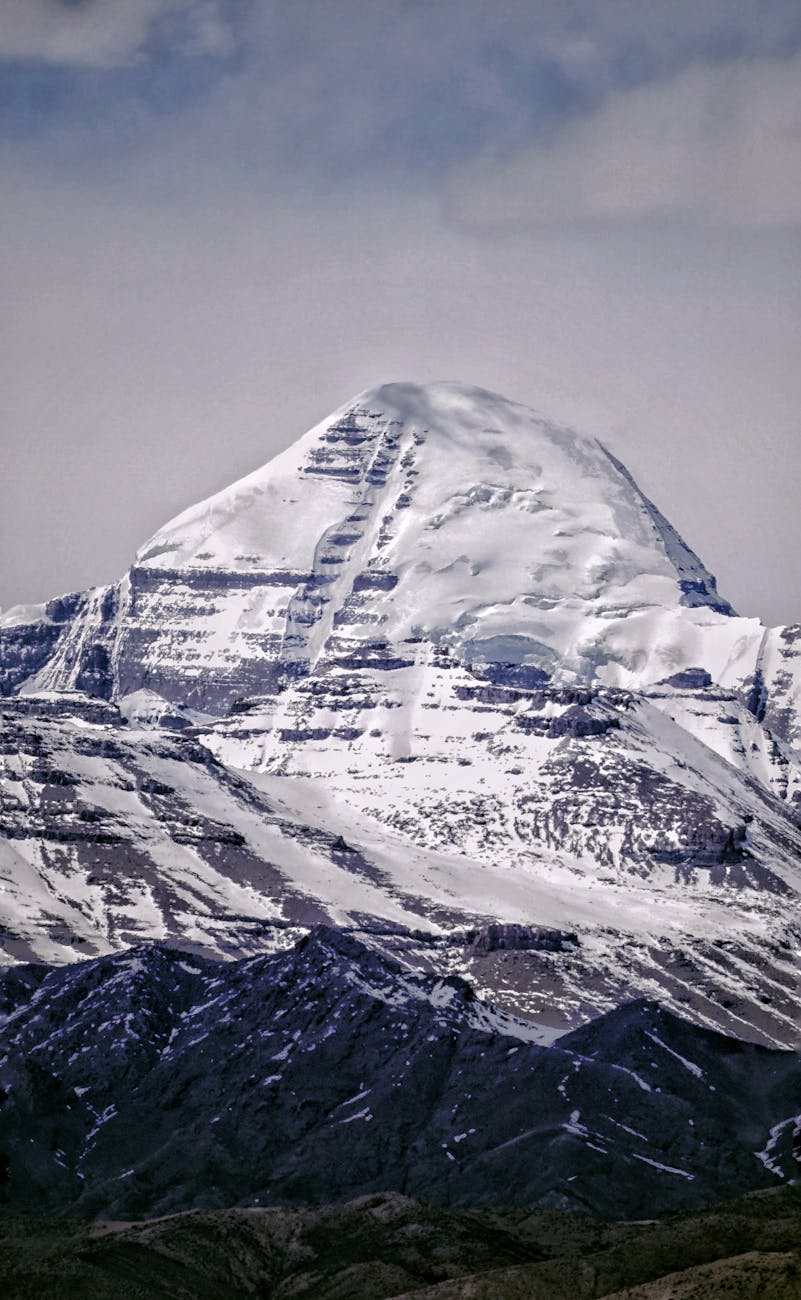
point(449, 513)
point(440, 512)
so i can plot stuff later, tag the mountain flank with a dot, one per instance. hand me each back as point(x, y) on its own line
point(152, 1081)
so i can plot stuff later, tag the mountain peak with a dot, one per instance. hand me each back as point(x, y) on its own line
point(437, 514)
point(446, 512)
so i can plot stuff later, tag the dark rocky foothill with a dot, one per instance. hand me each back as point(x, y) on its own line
point(153, 1081)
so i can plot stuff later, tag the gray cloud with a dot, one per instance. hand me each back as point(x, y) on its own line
point(318, 91)
point(717, 146)
point(109, 33)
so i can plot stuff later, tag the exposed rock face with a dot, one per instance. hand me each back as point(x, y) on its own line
point(691, 679)
point(780, 695)
point(26, 646)
point(518, 938)
point(154, 1081)
point(439, 665)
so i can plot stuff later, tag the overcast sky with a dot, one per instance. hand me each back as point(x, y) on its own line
point(221, 218)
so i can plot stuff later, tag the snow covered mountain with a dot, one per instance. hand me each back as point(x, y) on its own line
point(455, 670)
point(440, 513)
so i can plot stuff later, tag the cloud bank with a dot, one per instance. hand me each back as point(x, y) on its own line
point(717, 147)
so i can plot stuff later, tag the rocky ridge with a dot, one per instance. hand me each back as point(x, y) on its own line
point(154, 1081)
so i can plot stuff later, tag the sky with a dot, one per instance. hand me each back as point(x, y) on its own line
point(222, 218)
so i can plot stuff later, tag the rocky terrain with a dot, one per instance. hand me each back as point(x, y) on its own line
point(390, 1246)
point(154, 1081)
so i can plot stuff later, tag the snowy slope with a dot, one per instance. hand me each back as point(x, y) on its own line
point(621, 862)
point(467, 519)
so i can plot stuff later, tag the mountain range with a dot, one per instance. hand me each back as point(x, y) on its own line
point(415, 823)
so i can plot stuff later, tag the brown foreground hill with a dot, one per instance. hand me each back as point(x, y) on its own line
point(387, 1245)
